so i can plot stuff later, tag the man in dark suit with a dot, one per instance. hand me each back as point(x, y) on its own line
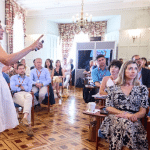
point(144, 74)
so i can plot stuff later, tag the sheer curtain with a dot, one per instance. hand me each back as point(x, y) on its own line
point(18, 34)
point(81, 37)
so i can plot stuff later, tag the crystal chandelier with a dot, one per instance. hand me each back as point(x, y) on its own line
point(82, 20)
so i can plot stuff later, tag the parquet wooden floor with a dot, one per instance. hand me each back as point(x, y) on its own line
point(64, 128)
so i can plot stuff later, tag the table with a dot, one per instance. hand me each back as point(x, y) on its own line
point(99, 119)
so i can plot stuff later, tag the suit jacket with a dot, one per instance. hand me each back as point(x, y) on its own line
point(146, 77)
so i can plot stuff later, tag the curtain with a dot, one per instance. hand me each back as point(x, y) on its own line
point(11, 10)
point(68, 31)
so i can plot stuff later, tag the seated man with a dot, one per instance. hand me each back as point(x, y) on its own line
point(21, 85)
point(101, 70)
point(67, 70)
point(41, 78)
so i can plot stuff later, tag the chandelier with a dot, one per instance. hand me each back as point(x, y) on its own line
point(81, 20)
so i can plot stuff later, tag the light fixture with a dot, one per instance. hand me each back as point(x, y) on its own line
point(134, 33)
point(82, 20)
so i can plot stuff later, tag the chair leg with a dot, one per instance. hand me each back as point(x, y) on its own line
point(32, 109)
point(97, 141)
point(48, 99)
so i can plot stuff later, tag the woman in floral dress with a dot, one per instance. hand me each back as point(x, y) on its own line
point(126, 103)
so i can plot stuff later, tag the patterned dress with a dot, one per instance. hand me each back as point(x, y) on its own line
point(123, 132)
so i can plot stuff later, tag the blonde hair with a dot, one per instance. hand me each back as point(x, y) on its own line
point(121, 76)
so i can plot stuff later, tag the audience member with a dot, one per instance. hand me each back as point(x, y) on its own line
point(41, 78)
point(108, 81)
point(67, 70)
point(33, 66)
point(71, 63)
point(21, 85)
point(57, 76)
point(27, 68)
point(101, 71)
point(143, 73)
point(126, 103)
point(89, 68)
point(14, 70)
point(121, 59)
point(49, 66)
point(144, 62)
point(6, 77)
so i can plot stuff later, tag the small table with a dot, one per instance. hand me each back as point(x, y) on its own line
point(99, 119)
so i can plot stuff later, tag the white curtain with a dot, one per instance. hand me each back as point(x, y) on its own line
point(18, 34)
point(81, 37)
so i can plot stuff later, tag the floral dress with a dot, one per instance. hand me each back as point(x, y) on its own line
point(123, 132)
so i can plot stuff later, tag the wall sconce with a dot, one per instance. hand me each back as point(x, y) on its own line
point(134, 33)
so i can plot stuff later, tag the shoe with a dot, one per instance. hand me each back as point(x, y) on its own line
point(29, 132)
point(37, 107)
point(58, 95)
point(24, 122)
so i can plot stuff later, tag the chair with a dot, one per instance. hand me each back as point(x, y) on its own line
point(32, 108)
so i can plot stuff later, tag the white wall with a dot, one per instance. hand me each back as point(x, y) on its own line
point(112, 34)
point(134, 19)
point(36, 27)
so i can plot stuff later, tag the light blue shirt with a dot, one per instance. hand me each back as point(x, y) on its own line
point(98, 74)
point(17, 79)
point(140, 76)
point(44, 76)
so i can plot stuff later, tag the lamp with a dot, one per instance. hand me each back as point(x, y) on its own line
point(82, 20)
point(134, 33)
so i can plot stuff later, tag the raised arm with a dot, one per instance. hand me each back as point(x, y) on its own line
point(9, 59)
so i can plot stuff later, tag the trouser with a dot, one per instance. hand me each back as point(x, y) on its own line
point(24, 99)
point(67, 80)
point(42, 92)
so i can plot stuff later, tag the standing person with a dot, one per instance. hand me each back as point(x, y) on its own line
point(8, 116)
point(21, 85)
point(126, 103)
point(49, 66)
point(57, 76)
point(101, 71)
point(108, 81)
point(71, 63)
point(27, 68)
point(67, 70)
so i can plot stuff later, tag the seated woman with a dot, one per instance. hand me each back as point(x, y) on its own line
point(108, 81)
point(126, 103)
point(49, 66)
point(57, 75)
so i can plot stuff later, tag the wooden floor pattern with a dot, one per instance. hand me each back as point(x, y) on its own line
point(64, 128)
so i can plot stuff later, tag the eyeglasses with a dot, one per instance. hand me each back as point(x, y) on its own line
point(137, 59)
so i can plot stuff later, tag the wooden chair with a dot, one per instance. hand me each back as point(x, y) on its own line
point(32, 108)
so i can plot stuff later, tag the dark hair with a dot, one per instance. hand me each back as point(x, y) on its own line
point(116, 63)
point(56, 63)
point(20, 65)
point(145, 60)
point(51, 66)
point(99, 56)
point(34, 61)
point(134, 56)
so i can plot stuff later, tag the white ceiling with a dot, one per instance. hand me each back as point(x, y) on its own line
point(63, 10)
